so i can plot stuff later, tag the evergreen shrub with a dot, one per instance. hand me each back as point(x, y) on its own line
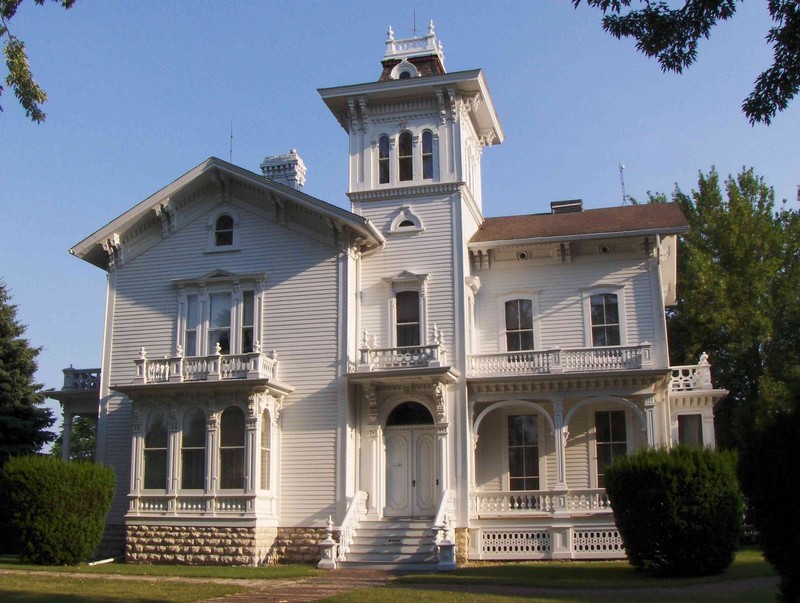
point(56, 510)
point(679, 511)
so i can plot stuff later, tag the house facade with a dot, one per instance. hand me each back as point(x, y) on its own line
point(406, 382)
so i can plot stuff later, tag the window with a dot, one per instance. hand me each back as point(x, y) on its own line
point(223, 231)
point(611, 440)
point(190, 335)
point(266, 449)
point(427, 154)
point(219, 327)
point(523, 452)
point(248, 322)
point(407, 318)
point(155, 452)
point(405, 157)
point(383, 159)
point(605, 319)
point(231, 448)
point(690, 430)
point(519, 325)
point(193, 450)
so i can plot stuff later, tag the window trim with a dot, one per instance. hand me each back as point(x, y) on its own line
point(613, 289)
point(533, 297)
point(225, 209)
point(406, 213)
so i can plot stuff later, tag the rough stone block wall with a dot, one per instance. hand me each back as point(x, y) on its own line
point(297, 545)
point(462, 545)
point(198, 545)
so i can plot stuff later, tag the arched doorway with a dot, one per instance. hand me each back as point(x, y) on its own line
point(410, 438)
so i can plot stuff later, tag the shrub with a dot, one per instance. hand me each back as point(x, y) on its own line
point(56, 510)
point(679, 511)
point(770, 475)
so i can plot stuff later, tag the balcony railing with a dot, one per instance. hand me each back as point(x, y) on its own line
point(202, 504)
point(81, 379)
point(539, 502)
point(217, 367)
point(557, 361)
point(692, 377)
point(373, 358)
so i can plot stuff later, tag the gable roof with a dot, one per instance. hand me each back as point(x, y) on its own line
point(627, 220)
point(90, 249)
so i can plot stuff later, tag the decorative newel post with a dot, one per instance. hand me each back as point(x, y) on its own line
point(327, 548)
point(447, 550)
point(704, 372)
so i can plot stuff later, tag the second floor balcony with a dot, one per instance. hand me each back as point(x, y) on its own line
point(216, 367)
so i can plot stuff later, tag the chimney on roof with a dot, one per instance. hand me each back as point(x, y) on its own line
point(566, 207)
point(288, 169)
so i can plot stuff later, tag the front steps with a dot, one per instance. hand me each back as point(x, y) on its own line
point(396, 544)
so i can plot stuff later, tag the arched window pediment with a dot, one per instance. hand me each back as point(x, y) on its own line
point(406, 221)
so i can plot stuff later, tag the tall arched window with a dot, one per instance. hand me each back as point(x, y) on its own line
point(383, 159)
point(155, 452)
point(193, 450)
point(223, 231)
point(266, 449)
point(405, 156)
point(231, 448)
point(427, 154)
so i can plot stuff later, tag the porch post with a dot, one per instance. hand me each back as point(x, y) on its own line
point(650, 418)
point(441, 444)
point(560, 444)
point(375, 499)
point(66, 436)
point(173, 453)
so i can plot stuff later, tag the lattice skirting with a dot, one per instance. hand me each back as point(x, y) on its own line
point(600, 543)
point(547, 543)
point(515, 544)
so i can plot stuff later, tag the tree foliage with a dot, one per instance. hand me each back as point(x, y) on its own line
point(23, 422)
point(29, 94)
point(672, 34)
point(83, 440)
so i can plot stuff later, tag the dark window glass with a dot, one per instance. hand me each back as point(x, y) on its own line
point(155, 453)
point(407, 318)
point(219, 328)
point(405, 157)
point(690, 430)
point(190, 339)
point(409, 413)
point(231, 448)
point(383, 159)
point(248, 316)
point(406, 223)
point(605, 320)
point(523, 452)
point(519, 325)
point(610, 440)
point(193, 450)
point(427, 154)
point(223, 231)
point(404, 75)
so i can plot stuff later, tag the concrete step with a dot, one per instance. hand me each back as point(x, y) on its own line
point(392, 557)
point(402, 567)
point(374, 533)
point(403, 549)
point(396, 524)
point(383, 540)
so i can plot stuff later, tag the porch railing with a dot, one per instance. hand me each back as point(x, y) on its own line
point(355, 513)
point(217, 367)
point(558, 360)
point(545, 502)
point(215, 505)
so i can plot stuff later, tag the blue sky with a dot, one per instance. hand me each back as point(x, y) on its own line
point(140, 92)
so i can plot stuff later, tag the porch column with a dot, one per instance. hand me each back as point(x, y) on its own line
point(560, 444)
point(212, 456)
point(66, 435)
point(376, 468)
point(650, 420)
point(441, 445)
point(173, 454)
point(137, 473)
point(251, 444)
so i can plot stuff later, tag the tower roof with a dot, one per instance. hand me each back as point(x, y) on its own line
point(418, 56)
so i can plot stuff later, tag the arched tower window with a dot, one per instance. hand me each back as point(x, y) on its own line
point(155, 452)
point(383, 159)
point(193, 450)
point(405, 156)
point(427, 155)
point(231, 448)
point(223, 231)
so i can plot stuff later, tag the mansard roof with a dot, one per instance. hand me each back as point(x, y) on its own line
point(214, 169)
point(626, 220)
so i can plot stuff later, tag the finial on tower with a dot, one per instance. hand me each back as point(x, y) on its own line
point(390, 34)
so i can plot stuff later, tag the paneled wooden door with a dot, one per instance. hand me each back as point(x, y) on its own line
point(410, 471)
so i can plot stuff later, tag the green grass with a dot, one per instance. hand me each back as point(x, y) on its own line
point(22, 588)
point(272, 572)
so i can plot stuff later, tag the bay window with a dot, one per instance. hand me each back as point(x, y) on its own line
point(231, 448)
point(155, 452)
point(193, 450)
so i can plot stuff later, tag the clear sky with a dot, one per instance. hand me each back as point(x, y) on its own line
point(141, 92)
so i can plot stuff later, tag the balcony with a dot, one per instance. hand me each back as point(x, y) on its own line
point(217, 367)
point(559, 361)
point(692, 378)
point(81, 379)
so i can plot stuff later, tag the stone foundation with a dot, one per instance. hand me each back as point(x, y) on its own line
point(462, 545)
point(297, 545)
point(198, 545)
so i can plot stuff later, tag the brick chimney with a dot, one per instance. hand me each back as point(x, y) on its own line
point(286, 169)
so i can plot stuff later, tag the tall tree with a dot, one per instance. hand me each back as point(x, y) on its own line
point(83, 440)
point(739, 292)
point(23, 421)
point(671, 35)
point(19, 76)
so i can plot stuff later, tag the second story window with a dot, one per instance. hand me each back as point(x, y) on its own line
point(427, 155)
point(405, 157)
point(407, 318)
point(219, 325)
point(605, 319)
point(383, 160)
point(519, 325)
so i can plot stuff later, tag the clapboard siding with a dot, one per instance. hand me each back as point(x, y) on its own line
point(299, 320)
point(576, 454)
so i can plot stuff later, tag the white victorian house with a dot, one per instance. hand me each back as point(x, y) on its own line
point(434, 381)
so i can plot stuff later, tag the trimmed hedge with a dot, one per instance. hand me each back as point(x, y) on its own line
point(56, 510)
point(679, 511)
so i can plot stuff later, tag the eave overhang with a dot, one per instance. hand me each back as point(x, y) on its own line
point(91, 250)
point(628, 382)
point(244, 386)
point(440, 374)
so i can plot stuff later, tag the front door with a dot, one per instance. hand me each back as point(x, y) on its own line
point(410, 471)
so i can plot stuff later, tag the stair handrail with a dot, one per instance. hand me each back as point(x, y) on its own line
point(355, 513)
point(445, 515)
